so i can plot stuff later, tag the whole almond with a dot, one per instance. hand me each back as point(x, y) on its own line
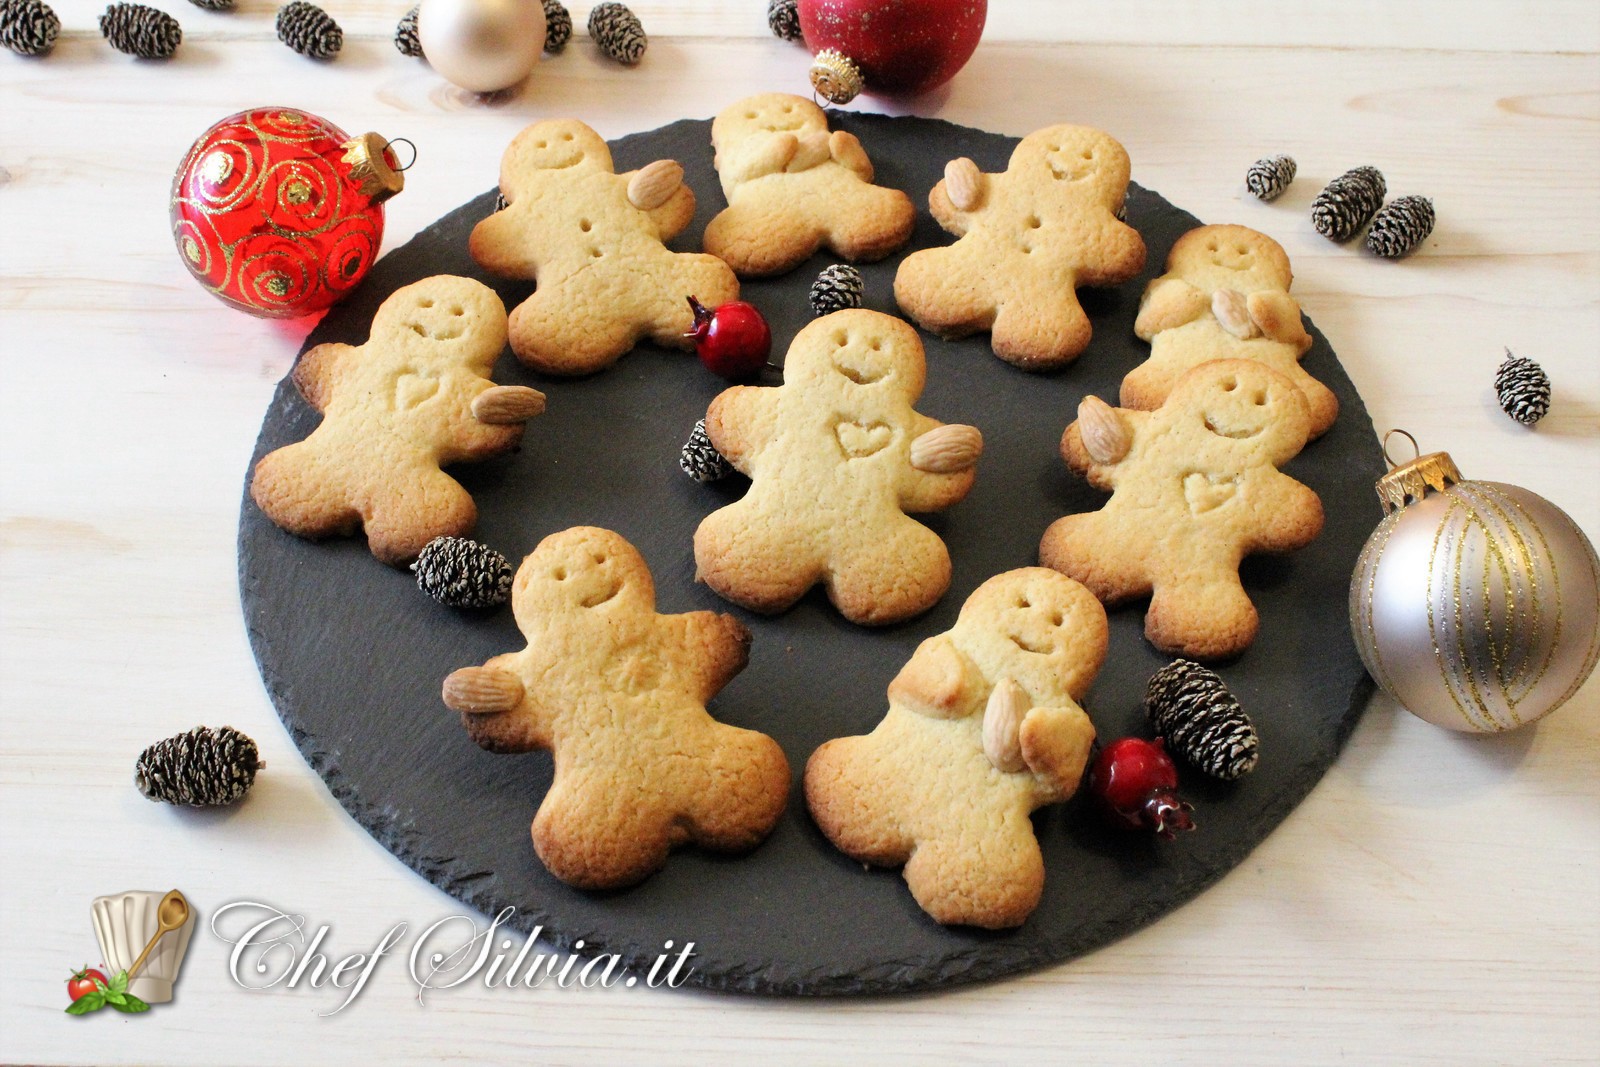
point(947, 449)
point(963, 183)
point(1233, 313)
point(654, 184)
point(1002, 720)
point(504, 404)
point(1104, 433)
point(481, 690)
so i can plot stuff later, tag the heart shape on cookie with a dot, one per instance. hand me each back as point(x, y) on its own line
point(1207, 492)
point(412, 390)
point(858, 440)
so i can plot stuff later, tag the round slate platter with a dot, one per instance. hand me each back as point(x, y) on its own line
point(353, 655)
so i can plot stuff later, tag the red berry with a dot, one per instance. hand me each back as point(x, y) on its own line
point(732, 339)
point(1135, 782)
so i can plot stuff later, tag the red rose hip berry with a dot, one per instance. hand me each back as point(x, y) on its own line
point(1135, 783)
point(732, 339)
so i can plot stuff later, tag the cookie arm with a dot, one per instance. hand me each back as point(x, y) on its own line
point(660, 192)
point(711, 648)
point(1119, 257)
point(943, 465)
point(846, 150)
point(314, 373)
point(769, 155)
point(1278, 315)
point(499, 245)
point(938, 681)
point(1168, 302)
point(1292, 519)
point(1055, 746)
point(741, 421)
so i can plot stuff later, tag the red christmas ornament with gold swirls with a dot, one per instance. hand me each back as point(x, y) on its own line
point(280, 213)
point(898, 47)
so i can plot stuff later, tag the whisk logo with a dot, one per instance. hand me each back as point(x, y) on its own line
point(143, 937)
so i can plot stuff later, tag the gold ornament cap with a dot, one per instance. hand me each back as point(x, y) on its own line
point(1407, 483)
point(370, 169)
point(835, 76)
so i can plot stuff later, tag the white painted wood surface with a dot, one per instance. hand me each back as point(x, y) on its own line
point(1433, 901)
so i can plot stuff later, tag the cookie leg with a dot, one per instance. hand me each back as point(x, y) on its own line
point(751, 563)
point(572, 328)
point(760, 241)
point(1080, 548)
point(890, 578)
point(1201, 619)
point(602, 834)
point(868, 222)
point(944, 292)
point(297, 488)
point(427, 504)
point(1036, 337)
point(849, 788)
point(743, 793)
point(994, 880)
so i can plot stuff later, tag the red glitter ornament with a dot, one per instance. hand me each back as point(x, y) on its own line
point(280, 213)
point(902, 47)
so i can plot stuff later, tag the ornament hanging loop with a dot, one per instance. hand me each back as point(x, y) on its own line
point(1416, 451)
point(408, 143)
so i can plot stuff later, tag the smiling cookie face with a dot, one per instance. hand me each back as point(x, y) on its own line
point(457, 318)
point(1230, 257)
point(1244, 402)
point(586, 572)
point(1076, 157)
point(1035, 622)
point(554, 145)
point(857, 348)
point(765, 114)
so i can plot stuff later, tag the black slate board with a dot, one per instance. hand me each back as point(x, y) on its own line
point(353, 655)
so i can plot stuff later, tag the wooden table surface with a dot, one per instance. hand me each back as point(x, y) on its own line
point(1433, 901)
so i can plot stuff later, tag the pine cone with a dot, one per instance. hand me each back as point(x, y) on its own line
point(1400, 227)
point(1523, 388)
point(28, 27)
point(461, 573)
point(1201, 721)
point(500, 202)
point(201, 768)
point(1345, 205)
point(618, 32)
point(406, 40)
point(141, 31)
point(783, 19)
point(309, 30)
point(1268, 178)
point(557, 26)
point(838, 287)
point(700, 459)
point(213, 5)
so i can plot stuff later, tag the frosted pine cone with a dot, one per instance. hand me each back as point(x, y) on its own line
point(1345, 205)
point(1191, 708)
point(201, 768)
point(838, 287)
point(28, 27)
point(1523, 388)
point(406, 40)
point(1401, 227)
point(557, 26)
point(700, 459)
point(783, 19)
point(309, 30)
point(618, 32)
point(1268, 178)
point(461, 573)
point(141, 31)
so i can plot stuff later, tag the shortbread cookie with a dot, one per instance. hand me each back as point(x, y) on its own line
point(1194, 489)
point(618, 693)
point(836, 457)
point(415, 397)
point(793, 187)
point(1225, 296)
point(1028, 238)
point(593, 241)
point(983, 727)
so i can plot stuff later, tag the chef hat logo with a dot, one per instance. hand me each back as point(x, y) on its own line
point(124, 923)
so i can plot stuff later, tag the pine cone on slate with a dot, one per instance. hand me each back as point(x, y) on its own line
point(461, 573)
point(309, 30)
point(1268, 178)
point(1523, 388)
point(406, 40)
point(1191, 708)
point(1347, 202)
point(28, 27)
point(838, 287)
point(1401, 227)
point(700, 459)
point(783, 19)
point(557, 26)
point(201, 768)
point(141, 31)
point(618, 32)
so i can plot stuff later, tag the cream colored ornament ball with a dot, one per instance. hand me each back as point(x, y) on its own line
point(482, 45)
point(1476, 605)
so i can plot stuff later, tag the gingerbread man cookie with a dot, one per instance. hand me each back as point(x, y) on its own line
point(618, 693)
point(1194, 489)
point(836, 456)
point(1225, 296)
point(983, 727)
point(593, 240)
point(793, 187)
point(414, 398)
point(1028, 238)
